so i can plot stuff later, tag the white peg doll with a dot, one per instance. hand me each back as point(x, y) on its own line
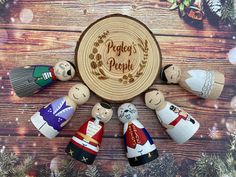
point(180, 125)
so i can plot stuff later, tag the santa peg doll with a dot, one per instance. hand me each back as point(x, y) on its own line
point(29, 80)
point(207, 84)
point(50, 119)
point(180, 125)
point(140, 148)
point(85, 143)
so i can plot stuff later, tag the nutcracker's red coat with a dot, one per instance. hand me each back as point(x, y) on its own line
point(97, 136)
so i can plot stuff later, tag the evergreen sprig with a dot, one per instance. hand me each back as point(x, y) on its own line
point(228, 13)
point(162, 166)
point(11, 165)
point(215, 165)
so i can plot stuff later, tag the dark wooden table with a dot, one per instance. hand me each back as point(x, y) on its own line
point(52, 35)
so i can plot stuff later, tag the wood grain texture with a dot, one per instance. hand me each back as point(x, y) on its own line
point(53, 35)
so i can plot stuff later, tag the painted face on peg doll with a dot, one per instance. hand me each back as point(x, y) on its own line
point(127, 112)
point(154, 99)
point(79, 93)
point(171, 74)
point(102, 112)
point(64, 70)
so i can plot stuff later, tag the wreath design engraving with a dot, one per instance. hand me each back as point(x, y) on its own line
point(96, 61)
point(129, 78)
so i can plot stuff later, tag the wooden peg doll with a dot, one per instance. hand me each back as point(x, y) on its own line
point(50, 119)
point(140, 148)
point(180, 125)
point(85, 144)
point(203, 83)
point(28, 80)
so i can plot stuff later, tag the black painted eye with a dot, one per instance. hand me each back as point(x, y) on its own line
point(126, 110)
point(69, 72)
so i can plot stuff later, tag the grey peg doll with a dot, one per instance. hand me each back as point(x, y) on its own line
point(28, 80)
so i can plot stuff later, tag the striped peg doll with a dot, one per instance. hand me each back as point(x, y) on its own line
point(84, 145)
point(180, 125)
point(140, 148)
point(51, 119)
point(28, 80)
point(206, 84)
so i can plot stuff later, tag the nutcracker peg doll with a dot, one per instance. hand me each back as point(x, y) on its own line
point(51, 119)
point(180, 125)
point(85, 144)
point(29, 80)
point(207, 84)
point(140, 148)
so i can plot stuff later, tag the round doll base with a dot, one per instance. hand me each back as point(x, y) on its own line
point(43, 126)
point(141, 160)
point(185, 134)
point(80, 154)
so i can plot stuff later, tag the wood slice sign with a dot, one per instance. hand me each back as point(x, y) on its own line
point(118, 57)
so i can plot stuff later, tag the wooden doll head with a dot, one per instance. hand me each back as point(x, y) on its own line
point(127, 112)
point(102, 111)
point(154, 99)
point(79, 93)
point(64, 70)
point(171, 74)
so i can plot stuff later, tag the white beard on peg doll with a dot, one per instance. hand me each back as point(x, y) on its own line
point(206, 84)
point(51, 119)
point(140, 148)
point(86, 142)
point(180, 125)
point(28, 80)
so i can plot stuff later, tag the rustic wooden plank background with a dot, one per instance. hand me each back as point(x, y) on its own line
point(52, 36)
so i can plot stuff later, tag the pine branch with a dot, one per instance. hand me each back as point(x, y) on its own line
point(214, 165)
point(162, 166)
point(8, 161)
point(208, 166)
point(10, 165)
point(92, 171)
point(68, 169)
point(228, 14)
point(24, 167)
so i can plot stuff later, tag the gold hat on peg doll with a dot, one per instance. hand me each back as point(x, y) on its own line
point(28, 80)
point(207, 84)
point(140, 148)
point(85, 144)
point(180, 125)
point(50, 119)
